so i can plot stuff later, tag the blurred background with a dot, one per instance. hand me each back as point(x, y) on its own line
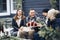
point(8, 8)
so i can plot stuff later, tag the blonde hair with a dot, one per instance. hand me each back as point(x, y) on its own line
point(52, 13)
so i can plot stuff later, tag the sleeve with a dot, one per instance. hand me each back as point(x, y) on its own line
point(38, 19)
point(14, 24)
point(23, 23)
point(48, 23)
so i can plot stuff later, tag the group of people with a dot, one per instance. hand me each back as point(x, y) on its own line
point(20, 21)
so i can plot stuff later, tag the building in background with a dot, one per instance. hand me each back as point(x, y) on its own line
point(8, 7)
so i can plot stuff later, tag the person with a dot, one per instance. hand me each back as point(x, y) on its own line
point(52, 19)
point(33, 18)
point(18, 21)
point(57, 20)
point(45, 13)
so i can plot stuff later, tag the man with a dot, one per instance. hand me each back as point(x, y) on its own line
point(45, 13)
point(33, 18)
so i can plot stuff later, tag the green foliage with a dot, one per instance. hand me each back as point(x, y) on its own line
point(19, 2)
point(53, 4)
point(47, 32)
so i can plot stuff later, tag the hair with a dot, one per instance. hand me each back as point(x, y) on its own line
point(58, 15)
point(31, 9)
point(52, 13)
point(45, 10)
point(15, 17)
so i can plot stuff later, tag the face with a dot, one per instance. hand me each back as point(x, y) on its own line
point(19, 12)
point(32, 13)
point(45, 14)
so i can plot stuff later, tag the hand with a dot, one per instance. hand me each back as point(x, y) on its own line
point(39, 25)
point(26, 24)
point(21, 29)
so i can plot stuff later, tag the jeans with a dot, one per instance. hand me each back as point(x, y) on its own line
point(36, 37)
point(13, 33)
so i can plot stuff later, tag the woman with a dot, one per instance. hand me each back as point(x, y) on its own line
point(18, 21)
point(51, 18)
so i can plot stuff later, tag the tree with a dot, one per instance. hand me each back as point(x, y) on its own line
point(53, 4)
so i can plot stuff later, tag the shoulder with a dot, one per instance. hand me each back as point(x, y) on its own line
point(37, 17)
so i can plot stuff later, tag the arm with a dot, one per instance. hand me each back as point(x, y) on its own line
point(23, 23)
point(15, 26)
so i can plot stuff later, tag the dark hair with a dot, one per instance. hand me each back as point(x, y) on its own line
point(58, 15)
point(45, 10)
